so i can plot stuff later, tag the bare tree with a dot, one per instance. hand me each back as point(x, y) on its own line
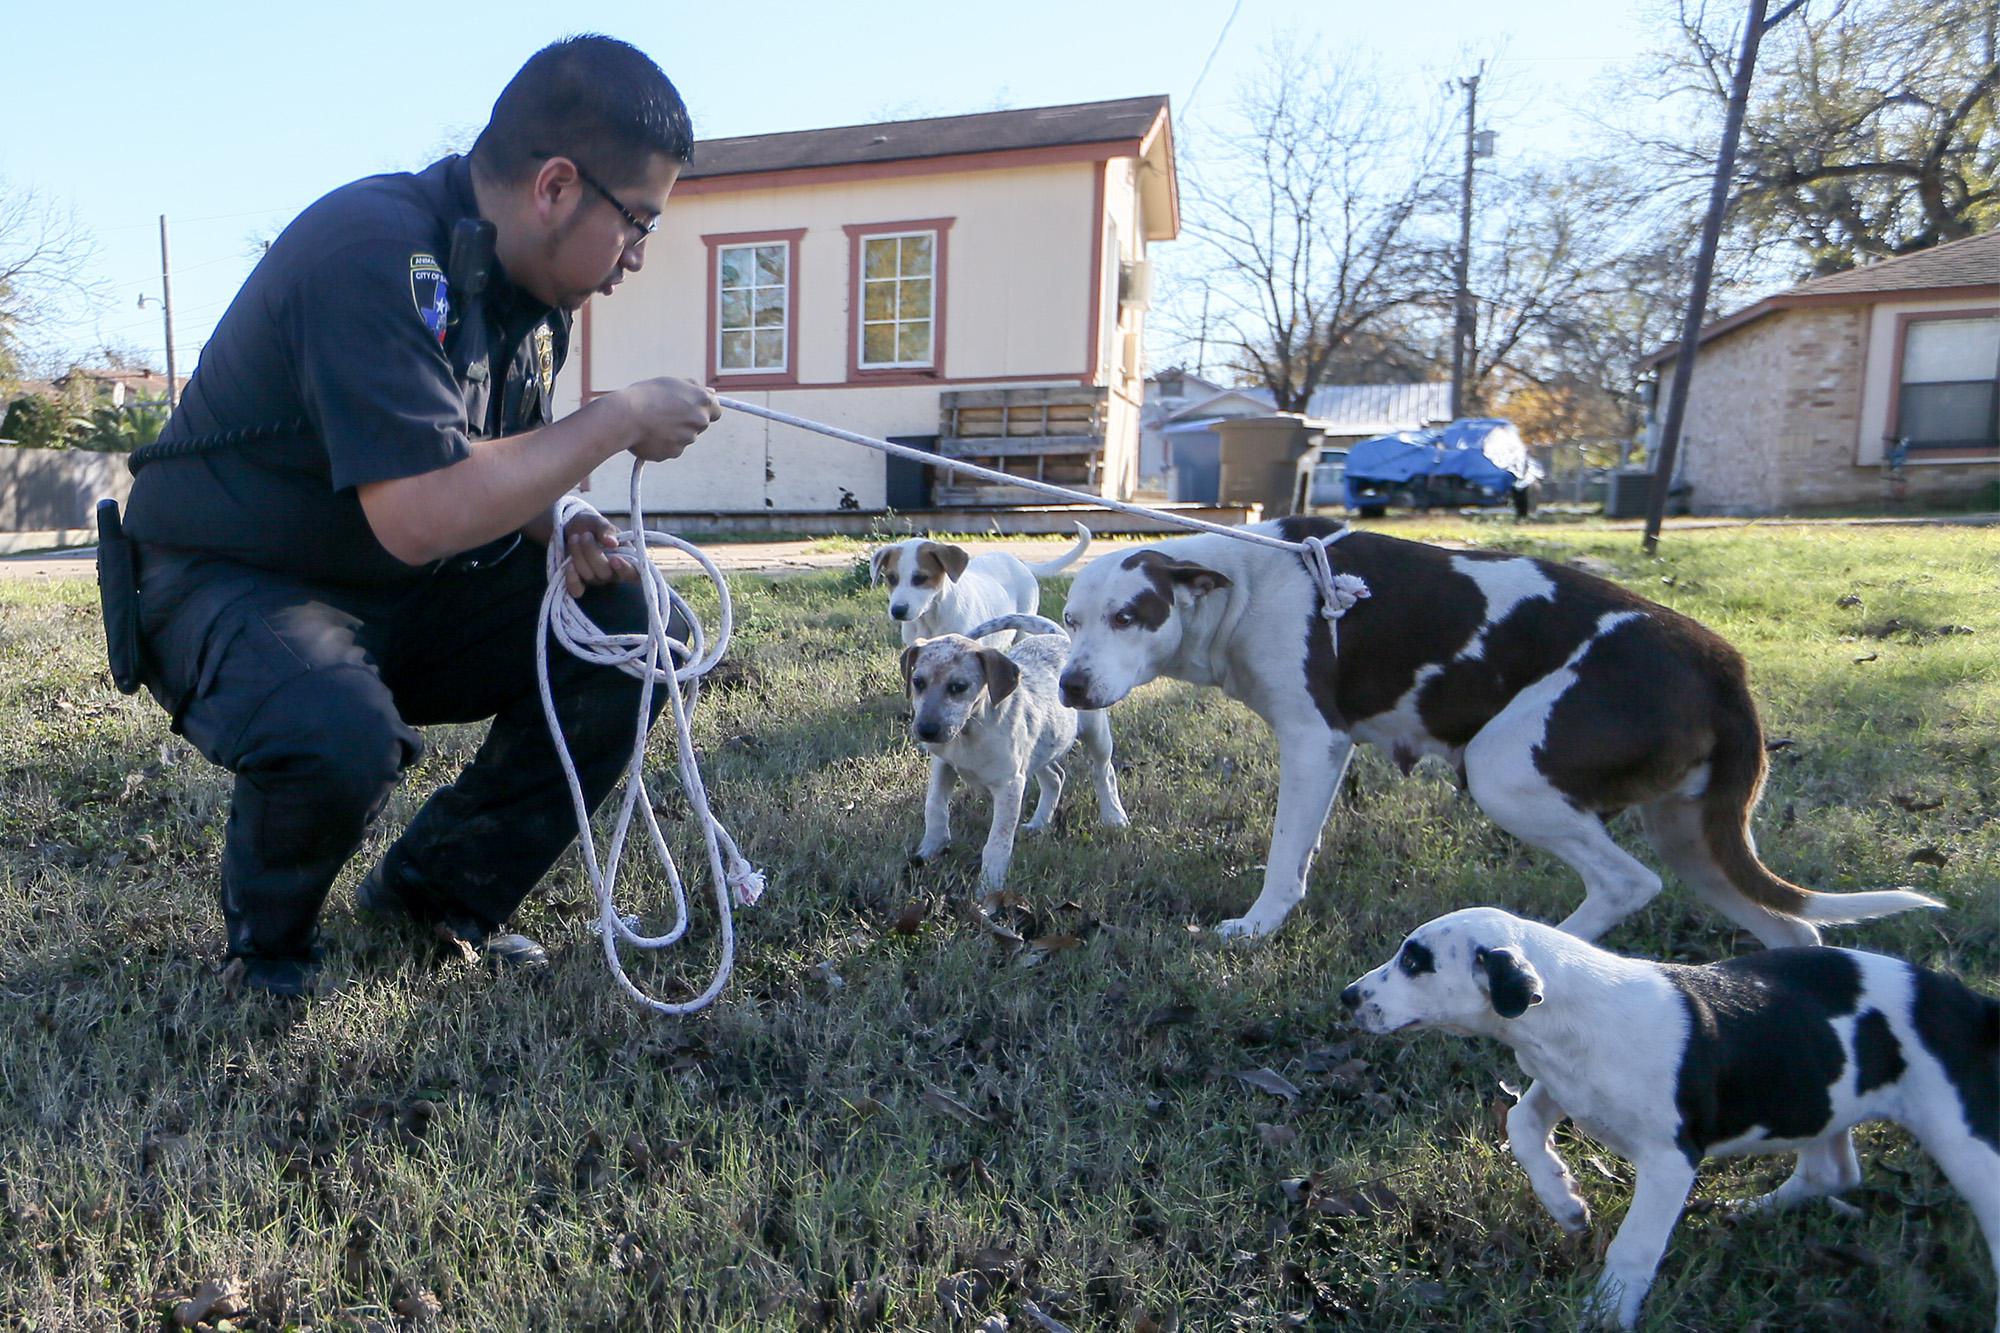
point(1871, 130)
point(44, 250)
point(1306, 215)
point(1573, 285)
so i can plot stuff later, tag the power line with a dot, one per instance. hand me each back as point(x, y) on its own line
point(1189, 101)
point(210, 217)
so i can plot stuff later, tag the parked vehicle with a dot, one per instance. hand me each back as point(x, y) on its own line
point(1473, 461)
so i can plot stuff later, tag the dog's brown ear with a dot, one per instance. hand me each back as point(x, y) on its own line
point(875, 562)
point(1001, 673)
point(910, 655)
point(1511, 983)
point(1197, 579)
point(953, 559)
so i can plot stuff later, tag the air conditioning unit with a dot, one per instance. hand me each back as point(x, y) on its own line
point(1135, 283)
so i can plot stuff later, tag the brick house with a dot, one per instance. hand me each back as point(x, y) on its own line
point(1807, 398)
point(972, 285)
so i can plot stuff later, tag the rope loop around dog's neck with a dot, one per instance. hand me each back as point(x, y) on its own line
point(649, 657)
point(1337, 592)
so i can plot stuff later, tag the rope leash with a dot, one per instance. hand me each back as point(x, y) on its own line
point(1337, 592)
point(649, 657)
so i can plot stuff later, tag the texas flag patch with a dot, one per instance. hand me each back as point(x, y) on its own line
point(430, 293)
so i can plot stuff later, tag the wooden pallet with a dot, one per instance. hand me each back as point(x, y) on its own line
point(1053, 435)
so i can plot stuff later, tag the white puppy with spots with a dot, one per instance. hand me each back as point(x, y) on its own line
point(937, 588)
point(1779, 1051)
point(1559, 697)
point(993, 719)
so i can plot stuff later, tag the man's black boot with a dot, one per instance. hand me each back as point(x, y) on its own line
point(458, 932)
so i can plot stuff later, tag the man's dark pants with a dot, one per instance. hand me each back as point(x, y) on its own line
point(308, 693)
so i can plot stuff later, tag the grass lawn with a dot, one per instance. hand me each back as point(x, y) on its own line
point(897, 1117)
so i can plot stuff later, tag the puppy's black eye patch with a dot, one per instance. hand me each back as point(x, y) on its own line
point(1416, 959)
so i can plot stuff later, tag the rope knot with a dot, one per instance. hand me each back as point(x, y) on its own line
point(1337, 592)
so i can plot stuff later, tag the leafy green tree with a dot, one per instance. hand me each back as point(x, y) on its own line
point(1871, 129)
point(120, 430)
point(34, 421)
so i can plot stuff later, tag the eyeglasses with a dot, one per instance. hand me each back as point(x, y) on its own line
point(633, 220)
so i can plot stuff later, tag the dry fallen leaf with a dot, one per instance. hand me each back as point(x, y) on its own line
point(1042, 1319)
point(1168, 1015)
point(911, 918)
point(1276, 1136)
point(944, 1101)
point(212, 1300)
point(1269, 1080)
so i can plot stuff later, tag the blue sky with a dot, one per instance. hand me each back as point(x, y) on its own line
point(230, 118)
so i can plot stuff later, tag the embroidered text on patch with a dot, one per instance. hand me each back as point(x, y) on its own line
point(430, 293)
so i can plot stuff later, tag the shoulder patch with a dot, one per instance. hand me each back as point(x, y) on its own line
point(429, 293)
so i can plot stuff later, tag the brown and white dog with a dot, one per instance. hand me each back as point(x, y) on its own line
point(937, 588)
point(1561, 698)
point(993, 719)
point(1781, 1051)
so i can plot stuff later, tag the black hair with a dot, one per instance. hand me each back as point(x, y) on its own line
point(589, 97)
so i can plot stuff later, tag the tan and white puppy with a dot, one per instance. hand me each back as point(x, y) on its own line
point(937, 588)
point(1781, 1051)
point(993, 719)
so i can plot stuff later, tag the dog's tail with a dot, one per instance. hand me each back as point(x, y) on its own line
point(1064, 561)
point(1020, 622)
point(1737, 767)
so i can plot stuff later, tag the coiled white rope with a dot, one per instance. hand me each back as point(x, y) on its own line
point(1337, 592)
point(650, 658)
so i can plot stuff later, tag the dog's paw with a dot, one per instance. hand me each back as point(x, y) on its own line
point(1115, 819)
point(923, 856)
point(1243, 928)
point(1574, 1219)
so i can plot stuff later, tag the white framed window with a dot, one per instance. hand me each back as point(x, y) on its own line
point(898, 300)
point(1949, 391)
point(753, 313)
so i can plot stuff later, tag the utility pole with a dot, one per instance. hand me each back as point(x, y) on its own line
point(1755, 25)
point(1201, 346)
point(1462, 326)
point(167, 311)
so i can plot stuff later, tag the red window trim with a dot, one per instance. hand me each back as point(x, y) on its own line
point(753, 379)
point(1940, 452)
point(856, 233)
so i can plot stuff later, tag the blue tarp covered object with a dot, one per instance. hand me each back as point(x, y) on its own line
point(1484, 456)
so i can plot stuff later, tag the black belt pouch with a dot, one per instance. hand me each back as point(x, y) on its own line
point(118, 592)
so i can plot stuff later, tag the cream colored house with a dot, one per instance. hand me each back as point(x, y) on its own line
point(971, 284)
point(1878, 384)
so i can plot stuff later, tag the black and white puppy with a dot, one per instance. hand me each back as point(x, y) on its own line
point(1560, 698)
point(1779, 1051)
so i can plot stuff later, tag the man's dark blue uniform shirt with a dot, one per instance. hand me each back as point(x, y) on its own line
point(342, 361)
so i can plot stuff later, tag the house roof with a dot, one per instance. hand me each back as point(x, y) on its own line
point(1346, 409)
point(1123, 119)
point(1374, 409)
point(1962, 267)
